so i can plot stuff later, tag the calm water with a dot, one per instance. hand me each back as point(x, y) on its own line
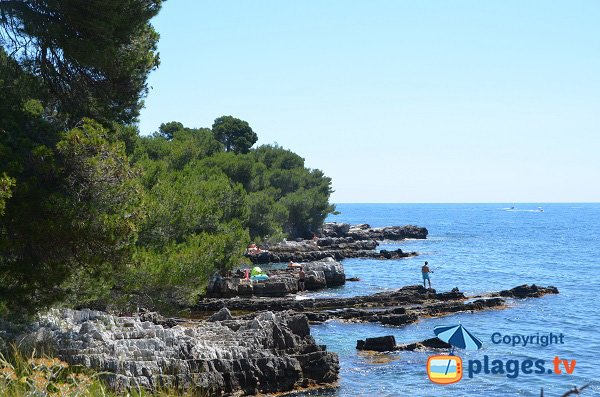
point(479, 248)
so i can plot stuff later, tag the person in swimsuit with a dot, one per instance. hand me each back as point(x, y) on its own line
point(425, 271)
point(293, 265)
point(301, 278)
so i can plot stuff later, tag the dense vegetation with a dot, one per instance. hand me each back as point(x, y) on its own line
point(90, 211)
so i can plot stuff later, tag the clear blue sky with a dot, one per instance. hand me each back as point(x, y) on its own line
point(398, 101)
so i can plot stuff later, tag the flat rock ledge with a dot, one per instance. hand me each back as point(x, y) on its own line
point(395, 308)
point(266, 353)
point(366, 232)
point(341, 241)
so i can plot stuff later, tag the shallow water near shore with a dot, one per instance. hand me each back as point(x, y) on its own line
point(478, 248)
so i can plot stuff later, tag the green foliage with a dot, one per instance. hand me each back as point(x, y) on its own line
point(168, 129)
point(93, 56)
point(267, 216)
point(304, 193)
point(177, 272)
point(6, 184)
point(190, 201)
point(88, 208)
point(235, 134)
point(203, 205)
point(72, 216)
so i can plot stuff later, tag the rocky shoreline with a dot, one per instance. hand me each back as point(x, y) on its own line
point(399, 307)
point(265, 348)
point(264, 353)
point(253, 337)
point(341, 241)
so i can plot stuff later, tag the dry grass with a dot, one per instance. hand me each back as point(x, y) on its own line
point(33, 376)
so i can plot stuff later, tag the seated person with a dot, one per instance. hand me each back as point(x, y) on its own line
point(293, 265)
point(252, 249)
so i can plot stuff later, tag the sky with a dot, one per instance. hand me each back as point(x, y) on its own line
point(398, 101)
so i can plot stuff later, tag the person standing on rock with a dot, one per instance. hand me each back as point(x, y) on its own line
point(425, 272)
point(301, 278)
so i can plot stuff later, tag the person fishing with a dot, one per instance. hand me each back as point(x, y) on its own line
point(425, 272)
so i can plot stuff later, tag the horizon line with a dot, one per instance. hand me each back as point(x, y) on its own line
point(469, 202)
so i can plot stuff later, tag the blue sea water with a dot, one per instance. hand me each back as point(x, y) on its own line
point(478, 248)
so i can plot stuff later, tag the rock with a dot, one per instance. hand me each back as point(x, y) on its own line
point(221, 315)
point(333, 271)
point(282, 282)
point(229, 287)
point(307, 251)
point(340, 241)
point(280, 286)
point(353, 279)
point(393, 254)
point(315, 280)
point(378, 344)
point(395, 308)
point(407, 295)
point(266, 353)
point(427, 344)
point(394, 233)
point(335, 229)
point(366, 232)
point(528, 291)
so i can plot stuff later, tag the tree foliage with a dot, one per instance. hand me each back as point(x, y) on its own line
point(72, 218)
point(90, 209)
point(93, 56)
point(236, 135)
point(70, 201)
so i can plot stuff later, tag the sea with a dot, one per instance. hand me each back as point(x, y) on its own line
point(478, 248)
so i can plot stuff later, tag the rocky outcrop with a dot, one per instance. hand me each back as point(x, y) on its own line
point(228, 287)
point(396, 308)
point(340, 241)
point(334, 229)
point(366, 232)
point(281, 282)
point(332, 270)
point(320, 253)
point(528, 291)
point(265, 353)
point(425, 345)
point(378, 344)
point(388, 343)
point(406, 295)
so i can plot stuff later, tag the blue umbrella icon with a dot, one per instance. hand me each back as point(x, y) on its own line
point(457, 336)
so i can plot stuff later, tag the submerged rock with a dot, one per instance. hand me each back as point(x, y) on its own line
point(267, 353)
